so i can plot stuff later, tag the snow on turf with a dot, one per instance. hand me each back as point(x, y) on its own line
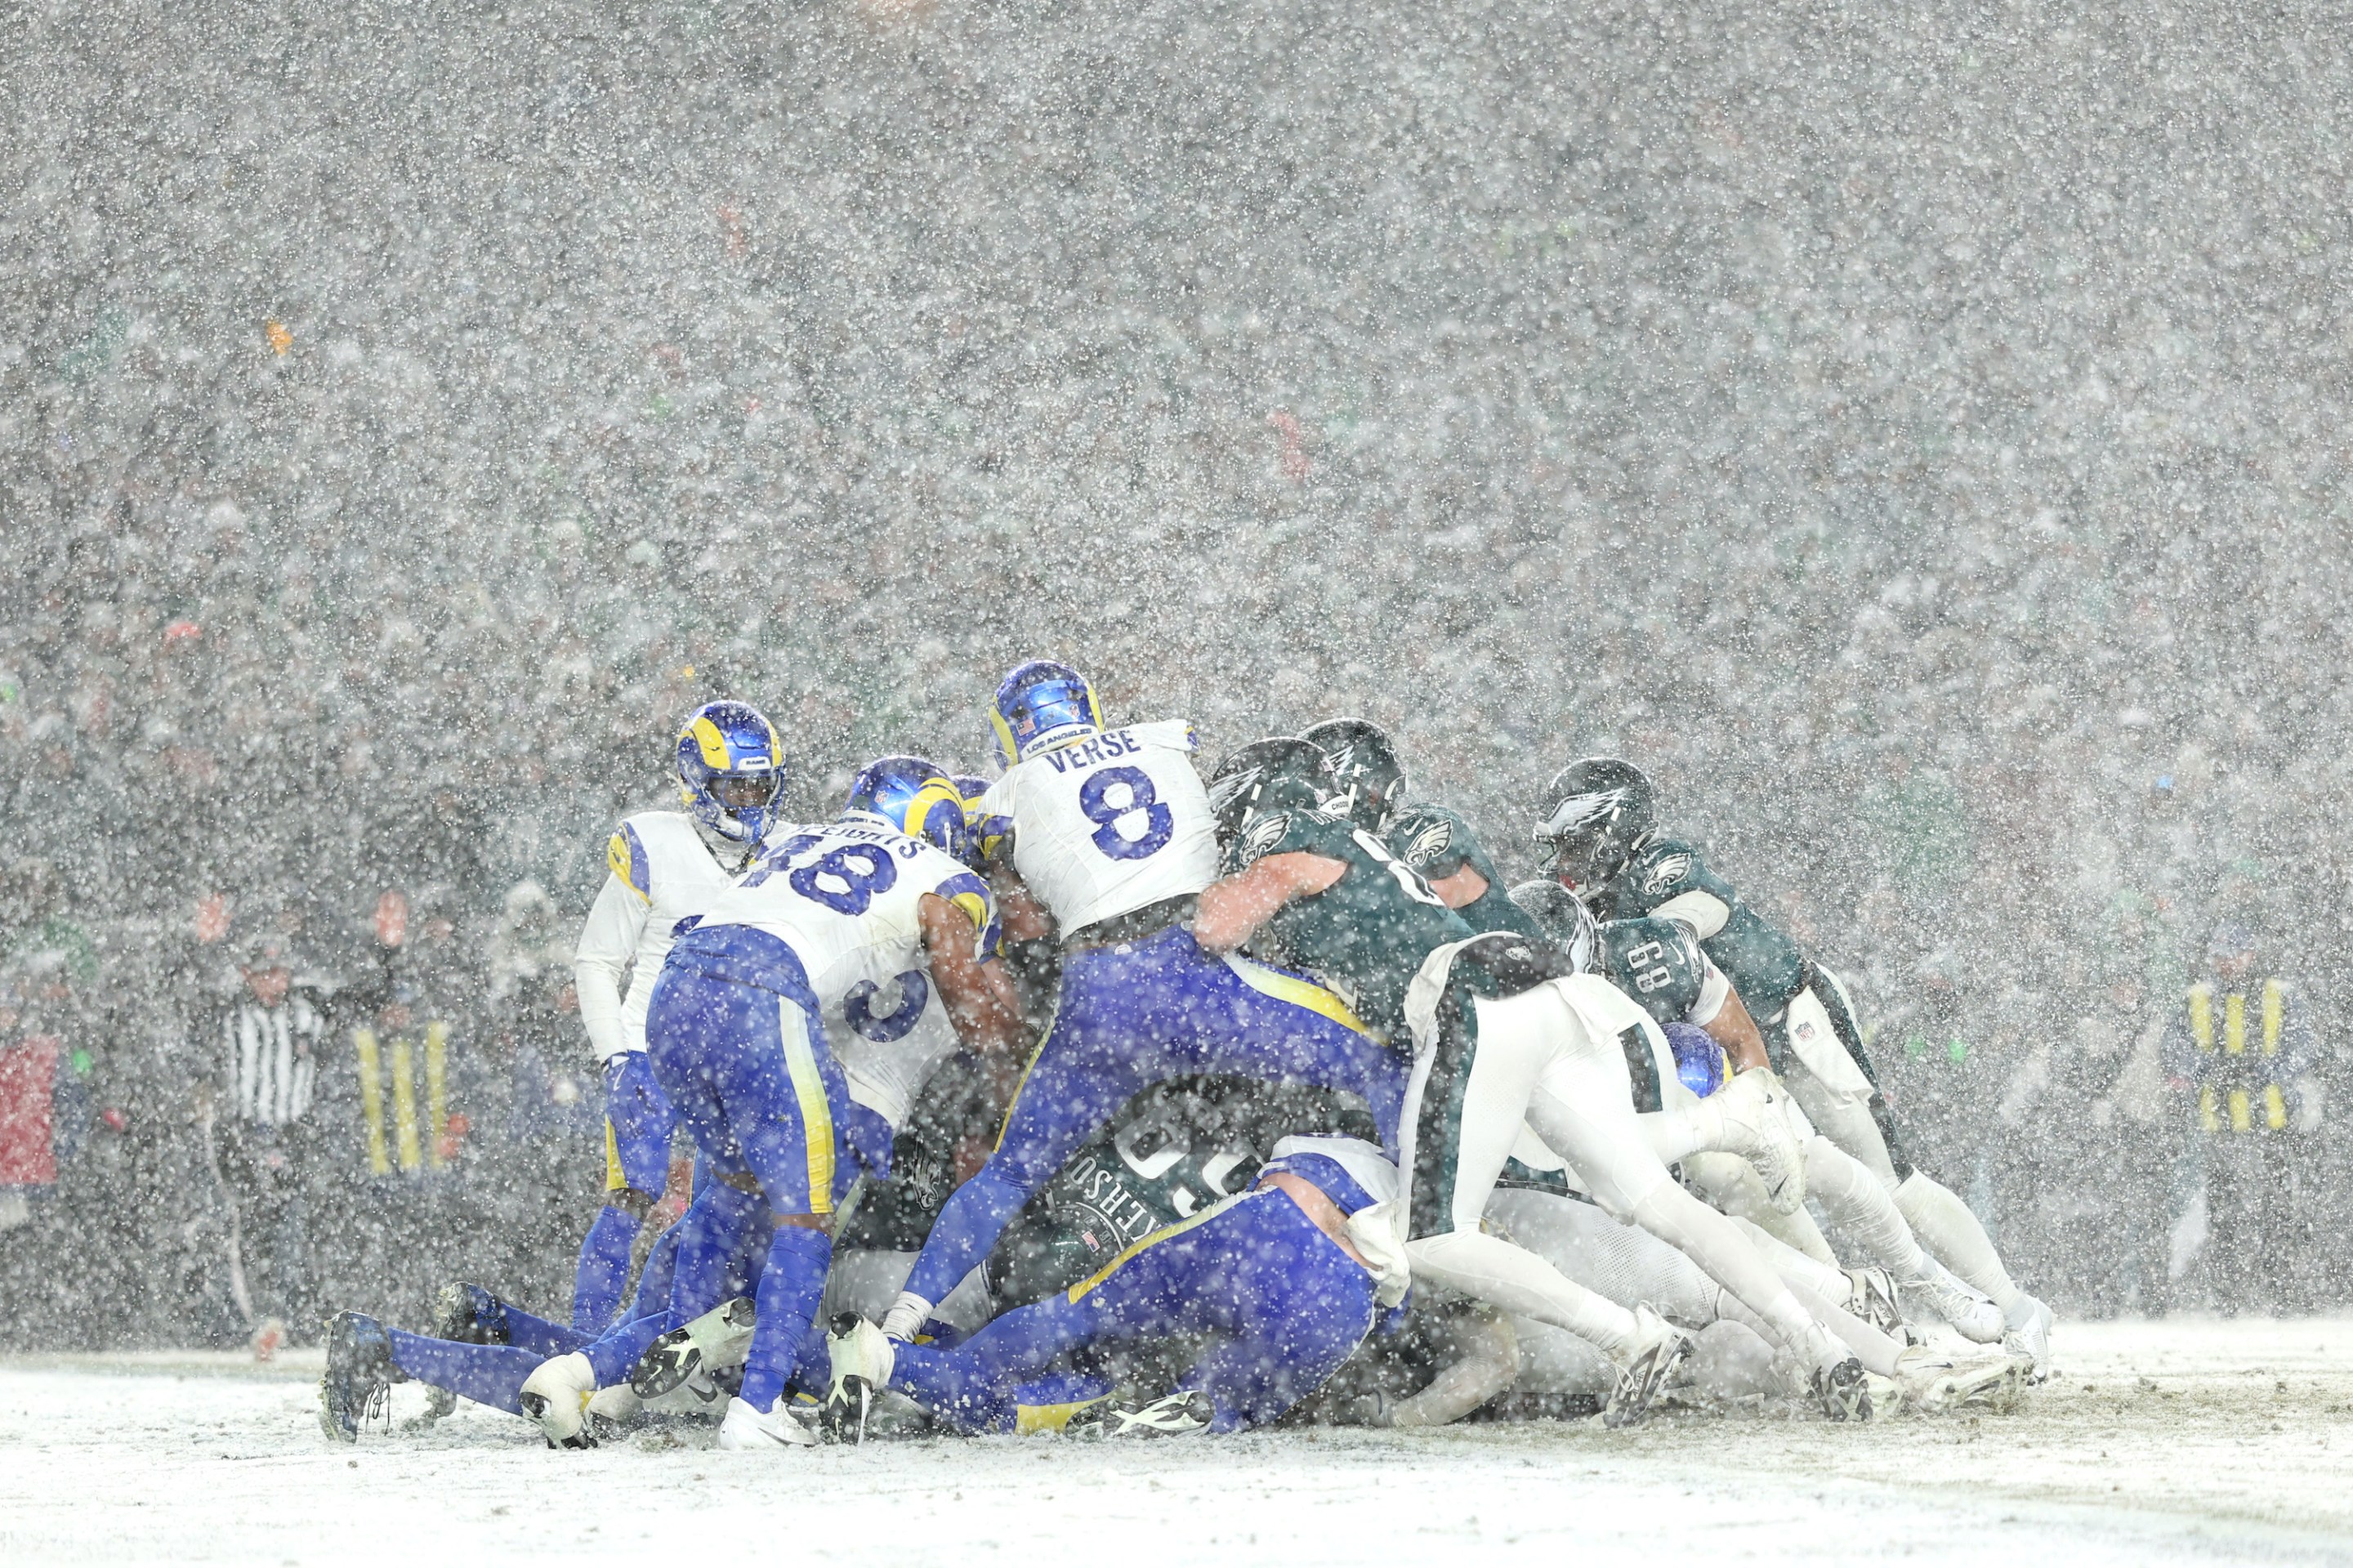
point(2179, 1441)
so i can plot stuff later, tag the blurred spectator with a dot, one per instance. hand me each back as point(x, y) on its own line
point(2241, 1049)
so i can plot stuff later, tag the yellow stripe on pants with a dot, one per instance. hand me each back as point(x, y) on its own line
point(404, 1104)
point(817, 1112)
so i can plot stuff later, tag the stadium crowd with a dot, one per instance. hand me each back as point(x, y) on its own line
point(1935, 498)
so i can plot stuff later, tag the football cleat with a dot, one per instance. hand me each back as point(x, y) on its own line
point(1843, 1391)
point(1657, 1347)
point(1870, 1296)
point(1929, 1379)
point(746, 1430)
point(862, 1357)
point(556, 1395)
point(357, 1385)
point(1757, 1127)
point(675, 1375)
point(2027, 1335)
point(471, 1315)
point(1179, 1414)
point(1941, 1293)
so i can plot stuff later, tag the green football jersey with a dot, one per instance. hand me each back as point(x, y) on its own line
point(1437, 843)
point(1362, 938)
point(1763, 965)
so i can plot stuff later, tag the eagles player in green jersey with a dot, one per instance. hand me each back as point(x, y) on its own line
point(1600, 827)
point(1506, 1036)
point(1433, 839)
point(1660, 963)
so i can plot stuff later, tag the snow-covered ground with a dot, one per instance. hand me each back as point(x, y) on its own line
point(2184, 1440)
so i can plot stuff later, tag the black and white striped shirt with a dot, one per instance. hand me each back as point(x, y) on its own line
point(272, 1059)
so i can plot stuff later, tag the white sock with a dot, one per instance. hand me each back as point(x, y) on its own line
point(1863, 1209)
point(1944, 1225)
point(1491, 1269)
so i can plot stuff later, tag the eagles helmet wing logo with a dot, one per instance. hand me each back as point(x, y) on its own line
point(1263, 834)
point(1583, 812)
point(1428, 843)
point(1669, 870)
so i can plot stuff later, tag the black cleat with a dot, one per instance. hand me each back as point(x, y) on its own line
point(1844, 1391)
point(1178, 1415)
point(357, 1385)
point(468, 1315)
point(1640, 1379)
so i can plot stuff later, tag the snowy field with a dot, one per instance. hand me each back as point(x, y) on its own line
point(2181, 1441)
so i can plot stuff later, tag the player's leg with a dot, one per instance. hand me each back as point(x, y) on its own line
point(1256, 1021)
point(1582, 1107)
point(1099, 1051)
point(1464, 1106)
point(639, 1123)
point(1730, 1183)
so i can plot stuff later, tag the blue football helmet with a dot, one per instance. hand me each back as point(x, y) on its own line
point(1042, 704)
point(731, 770)
point(913, 796)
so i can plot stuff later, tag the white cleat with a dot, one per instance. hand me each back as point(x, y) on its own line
point(556, 1395)
point(618, 1405)
point(1941, 1293)
point(745, 1429)
point(1755, 1114)
point(674, 1376)
point(1929, 1379)
point(862, 1358)
point(1658, 1346)
point(2027, 1335)
point(1870, 1296)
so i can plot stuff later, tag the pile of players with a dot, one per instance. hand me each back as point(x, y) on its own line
point(1298, 1115)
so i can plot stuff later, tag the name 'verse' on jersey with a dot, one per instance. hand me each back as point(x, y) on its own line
point(1110, 823)
point(848, 897)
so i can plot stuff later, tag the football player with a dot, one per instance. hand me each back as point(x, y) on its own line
point(1600, 831)
point(663, 867)
point(818, 965)
point(1106, 830)
point(1506, 1036)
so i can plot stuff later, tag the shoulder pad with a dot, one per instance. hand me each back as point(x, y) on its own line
point(625, 856)
point(1664, 867)
point(1422, 834)
point(1176, 733)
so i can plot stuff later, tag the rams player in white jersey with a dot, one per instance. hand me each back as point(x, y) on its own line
point(1110, 829)
point(796, 991)
point(665, 866)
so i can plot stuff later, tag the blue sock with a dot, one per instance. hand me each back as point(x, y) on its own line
point(709, 1237)
point(655, 1280)
point(791, 1287)
point(541, 1338)
point(603, 1269)
point(487, 1374)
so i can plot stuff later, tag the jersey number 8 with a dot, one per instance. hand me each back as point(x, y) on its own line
point(1159, 822)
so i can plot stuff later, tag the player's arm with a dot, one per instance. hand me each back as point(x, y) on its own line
point(1018, 913)
point(975, 991)
point(1233, 907)
point(1727, 1020)
point(608, 941)
point(1460, 888)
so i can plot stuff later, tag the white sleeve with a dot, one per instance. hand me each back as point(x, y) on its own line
point(608, 941)
point(1714, 988)
point(1705, 913)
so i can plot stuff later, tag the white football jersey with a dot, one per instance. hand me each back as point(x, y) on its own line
point(660, 872)
point(846, 897)
point(1108, 822)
